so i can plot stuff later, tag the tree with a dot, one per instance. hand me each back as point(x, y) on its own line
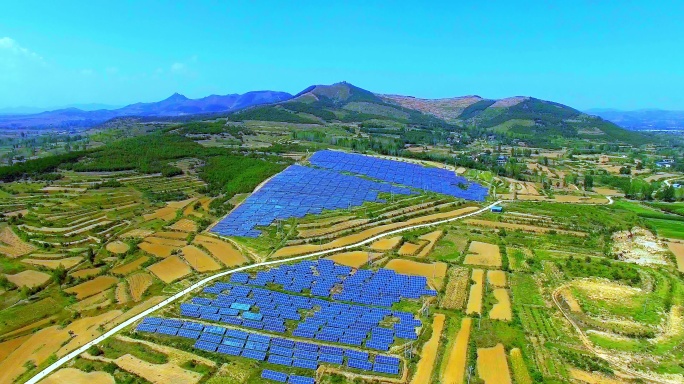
point(669, 194)
point(588, 182)
point(90, 255)
point(59, 274)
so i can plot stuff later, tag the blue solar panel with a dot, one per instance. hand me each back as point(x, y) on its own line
point(359, 364)
point(142, 327)
point(193, 326)
point(237, 334)
point(282, 351)
point(167, 330)
point(252, 354)
point(152, 321)
point(296, 379)
point(385, 368)
point(256, 346)
point(332, 359)
point(233, 342)
point(210, 337)
point(280, 360)
point(228, 350)
point(206, 346)
point(306, 346)
point(282, 342)
point(188, 334)
point(306, 364)
point(274, 375)
point(215, 330)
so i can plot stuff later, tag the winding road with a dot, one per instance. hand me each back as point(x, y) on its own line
point(54, 366)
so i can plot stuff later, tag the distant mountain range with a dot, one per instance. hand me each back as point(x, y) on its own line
point(644, 119)
point(176, 105)
point(529, 119)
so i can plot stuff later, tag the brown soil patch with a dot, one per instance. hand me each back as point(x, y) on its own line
point(138, 284)
point(639, 246)
point(75, 376)
point(199, 260)
point(158, 250)
point(410, 249)
point(492, 366)
point(92, 287)
point(170, 269)
point(67, 262)
point(221, 250)
point(455, 295)
point(386, 244)
point(520, 372)
point(475, 298)
point(497, 278)
point(12, 246)
point(434, 272)
point(522, 227)
point(86, 272)
point(125, 269)
point(141, 233)
point(354, 259)
point(570, 300)
point(502, 309)
point(185, 225)
point(99, 300)
point(29, 279)
point(121, 293)
point(157, 373)
point(117, 247)
point(429, 353)
point(483, 254)
point(368, 233)
point(678, 250)
point(432, 239)
point(313, 232)
point(454, 372)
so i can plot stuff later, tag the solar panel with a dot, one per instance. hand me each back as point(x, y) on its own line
point(167, 330)
point(229, 350)
point(142, 327)
point(385, 368)
point(359, 364)
point(274, 375)
point(233, 342)
point(280, 360)
point(296, 379)
point(210, 337)
point(306, 364)
point(152, 321)
point(188, 334)
point(252, 354)
point(332, 359)
point(206, 346)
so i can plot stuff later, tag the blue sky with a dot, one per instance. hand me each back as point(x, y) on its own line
point(619, 54)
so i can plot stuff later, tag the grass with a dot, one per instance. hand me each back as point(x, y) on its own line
point(525, 290)
point(667, 228)
point(21, 315)
point(114, 348)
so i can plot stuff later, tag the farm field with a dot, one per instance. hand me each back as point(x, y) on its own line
point(548, 291)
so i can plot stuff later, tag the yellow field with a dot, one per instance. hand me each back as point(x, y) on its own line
point(432, 239)
point(117, 247)
point(137, 233)
point(456, 361)
point(678, 250)
point(29, 279)
point(520, 373)
point(522, 227)
point(429, 353)
point(172, 242)
point(502, 309)
point(92, 287)
point(75, 376)
point(67, 262)
point(121, 293)
point(457, 288)
point(169, 235)
point(157, 373)
point(125, 269)
point(434, 272)
point(12, 246)
point(221, 250)
point(386, 244)
point(483, 254)
point(475, 298)
point(138, 284)
point(86, 272)
point(166, 214)
point(354, 259)
point(199, 260)
point(492, 366)
point(410, 249)
point(170, 269)
point(593, 378)
point(185, 225)
point(368, 233)
point(158, 250)
point(497, 278)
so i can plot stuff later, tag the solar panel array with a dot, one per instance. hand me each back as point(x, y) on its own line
point(296, 192)
point(279, 351)
point(398, 172)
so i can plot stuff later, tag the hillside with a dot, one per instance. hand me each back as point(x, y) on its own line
point(522, 117)
point(176, 105)
point(341, 102)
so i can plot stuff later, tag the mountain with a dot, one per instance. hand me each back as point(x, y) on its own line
point(644, 119)
point(522, 117)
point(175, 105)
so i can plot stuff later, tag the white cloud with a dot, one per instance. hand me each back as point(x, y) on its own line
point(9, 45)
point(178, 67)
